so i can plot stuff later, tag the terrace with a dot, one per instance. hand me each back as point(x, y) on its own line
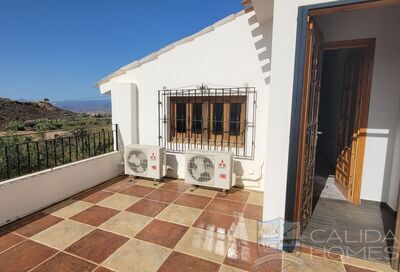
point(127, 224)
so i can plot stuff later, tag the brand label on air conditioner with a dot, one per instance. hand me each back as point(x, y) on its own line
point(222, 164)
point(154, 167)
point(222, 176)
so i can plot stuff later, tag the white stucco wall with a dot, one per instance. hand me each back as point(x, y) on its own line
point(233, 54)
point(378, 182)
point(27, 194)
point(280, 102)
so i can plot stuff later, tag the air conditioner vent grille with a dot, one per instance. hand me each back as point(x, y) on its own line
point(137, 161)
point(201, 168)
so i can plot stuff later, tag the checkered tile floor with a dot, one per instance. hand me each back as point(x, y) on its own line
point(139, 225)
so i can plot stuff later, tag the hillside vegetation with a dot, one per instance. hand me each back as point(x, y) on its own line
point(11, 111)
point(17, 116)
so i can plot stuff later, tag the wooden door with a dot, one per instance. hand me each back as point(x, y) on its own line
point(347, 136)
point(353, 115)
point(309, 125)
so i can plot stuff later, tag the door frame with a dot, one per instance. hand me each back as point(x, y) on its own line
point(299, 68)
point(364, 93)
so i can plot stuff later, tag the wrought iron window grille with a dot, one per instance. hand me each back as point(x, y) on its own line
point(221, 119)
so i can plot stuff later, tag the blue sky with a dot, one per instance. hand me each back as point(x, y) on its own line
point(59, 49)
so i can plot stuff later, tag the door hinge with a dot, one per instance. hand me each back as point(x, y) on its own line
point(315, 75)
point(310, 22)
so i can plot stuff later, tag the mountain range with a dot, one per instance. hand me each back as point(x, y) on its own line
point(86, 106)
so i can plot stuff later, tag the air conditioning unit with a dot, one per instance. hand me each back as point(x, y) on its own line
point(210, 168)
point(145, 161)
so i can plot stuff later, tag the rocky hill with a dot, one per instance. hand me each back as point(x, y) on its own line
point(11, 110)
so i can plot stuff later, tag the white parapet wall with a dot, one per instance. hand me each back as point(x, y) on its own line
point(27, 194)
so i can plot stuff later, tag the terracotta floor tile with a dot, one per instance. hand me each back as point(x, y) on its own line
point(234, 194)
point(246, 229)
point(93, 196)
point(312, 263)
point(148, 183)
point(126, 223)
point(194, 201)
point(227, 268)
point(108, 183)
point(163, 195)
point(95, 215)
point(102, 269)
point(120, 185)
point(179, 262)
point(225, 206)
point(62, 234)
point(62, 204)
point(350, 268)
point(24, 256)
point(279, 261)
point(162, 233)
point(8, 240)
point(66, 263)
point(147, 207)
point(119, 201)
point(216, 222)
point(204, 244)
point(179, 214)
point(137, 190)
point(175, 185)
point(70, 209)
point(209, 192)
point(242, 254)
point(137, 256)
point(21, 222)
point(253, 212)
point(256, 198)
point(31, 227)
point(245, 255)
point(97, 245)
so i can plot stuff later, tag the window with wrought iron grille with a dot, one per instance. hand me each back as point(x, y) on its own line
point(208, 118)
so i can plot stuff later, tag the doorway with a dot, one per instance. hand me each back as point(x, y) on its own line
point(343, 107)
point(345, 120)
point(336, 121)
point(342, 22)
point(336, 222)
